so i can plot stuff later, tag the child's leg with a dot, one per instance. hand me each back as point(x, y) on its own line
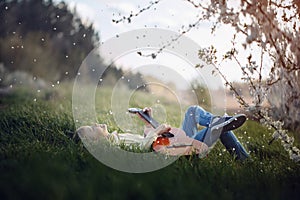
point(195, 115)
point(201, 134)
point(233, 146)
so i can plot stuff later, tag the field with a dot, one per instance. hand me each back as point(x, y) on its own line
point(41, 158)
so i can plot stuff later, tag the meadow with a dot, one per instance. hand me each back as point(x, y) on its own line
point(41, 158)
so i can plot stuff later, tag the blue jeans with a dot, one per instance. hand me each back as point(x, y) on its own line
point(197, 115)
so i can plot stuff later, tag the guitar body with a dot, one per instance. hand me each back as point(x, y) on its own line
point(179, 145)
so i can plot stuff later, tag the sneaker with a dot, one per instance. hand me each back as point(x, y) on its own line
point(220, 125)
point(227, 123)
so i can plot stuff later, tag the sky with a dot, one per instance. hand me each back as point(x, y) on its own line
point(169, 15)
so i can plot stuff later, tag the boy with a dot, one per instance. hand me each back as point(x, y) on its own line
point(215, 127)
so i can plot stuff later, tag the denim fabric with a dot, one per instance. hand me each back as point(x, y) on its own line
point(193, 116)
point(197, 115)
point(233, 146)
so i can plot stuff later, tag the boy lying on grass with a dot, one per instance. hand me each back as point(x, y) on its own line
point(187, 140)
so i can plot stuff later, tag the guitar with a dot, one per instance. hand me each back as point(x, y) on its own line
point(175, 142)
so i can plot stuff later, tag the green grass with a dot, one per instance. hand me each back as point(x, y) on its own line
point(40, 159)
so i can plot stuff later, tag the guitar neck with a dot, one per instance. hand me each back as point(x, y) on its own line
point(149, 119)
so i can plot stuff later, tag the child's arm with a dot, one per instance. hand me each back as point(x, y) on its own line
point(152, 134)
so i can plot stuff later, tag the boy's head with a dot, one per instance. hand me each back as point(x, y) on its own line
point(93, 132)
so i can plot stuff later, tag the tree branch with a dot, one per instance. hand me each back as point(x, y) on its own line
point(128, 19)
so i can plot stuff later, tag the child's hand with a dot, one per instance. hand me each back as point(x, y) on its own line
point(149, 112)
point(163, 128)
